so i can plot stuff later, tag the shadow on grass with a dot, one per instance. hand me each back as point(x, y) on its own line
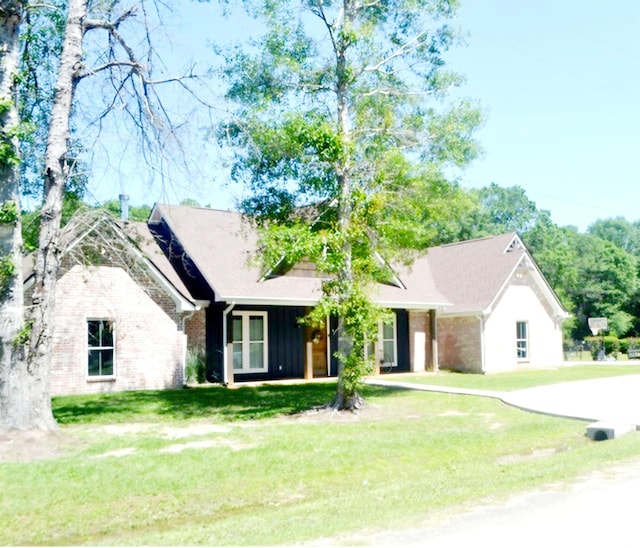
point(212, 402)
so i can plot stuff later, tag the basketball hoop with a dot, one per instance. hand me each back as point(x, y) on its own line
point(597, 324)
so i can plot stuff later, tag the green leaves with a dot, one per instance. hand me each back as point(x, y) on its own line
point(341, 139)
point(9, 213)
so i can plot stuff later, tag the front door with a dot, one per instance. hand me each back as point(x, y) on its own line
point(318, 340)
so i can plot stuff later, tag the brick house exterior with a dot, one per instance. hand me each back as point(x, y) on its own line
point(114, 279)
point(133, 298)
point(504, 316)
point(149, 345)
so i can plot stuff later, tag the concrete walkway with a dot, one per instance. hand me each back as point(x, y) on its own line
point(612, 399)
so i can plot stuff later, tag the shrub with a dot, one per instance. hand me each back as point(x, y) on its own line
point(196, 369)
point(624, 345)
point(629, 343)
point(611, 345)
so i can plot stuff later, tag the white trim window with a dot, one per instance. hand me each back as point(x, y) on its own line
point(249, 341)
point(388, 343)
point(522, 340)
point(101, 348)
point(386, 347)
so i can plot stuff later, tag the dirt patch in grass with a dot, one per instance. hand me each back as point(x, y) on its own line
point(30, 445)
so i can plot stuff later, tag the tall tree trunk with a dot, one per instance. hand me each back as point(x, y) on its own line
point(42, 312)
point(15, 389)
point(346, 398)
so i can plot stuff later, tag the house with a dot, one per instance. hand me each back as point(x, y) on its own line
point(478, 306)
point(504, 315)
point(132, 297)
point(120, 311)
point(252, 322)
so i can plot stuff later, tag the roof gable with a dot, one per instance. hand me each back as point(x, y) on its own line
point(220, 245)
point(474, 273)
point(97, 238)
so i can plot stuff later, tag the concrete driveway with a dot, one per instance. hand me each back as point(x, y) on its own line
point(598, 510)
point(615, 399)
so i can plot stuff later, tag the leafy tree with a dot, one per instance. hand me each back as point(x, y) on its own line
point(618, 231)
point(502, 210)
point(555, 251)
point(342, 139)
point(608, 280)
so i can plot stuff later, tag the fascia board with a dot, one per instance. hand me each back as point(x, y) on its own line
point(265, 301)
point(158, 217)
point(470, 313)
point(280, 301)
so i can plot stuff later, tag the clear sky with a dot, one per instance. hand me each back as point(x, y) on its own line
point(559, 82)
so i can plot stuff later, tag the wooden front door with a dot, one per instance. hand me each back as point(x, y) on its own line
point(318, 341)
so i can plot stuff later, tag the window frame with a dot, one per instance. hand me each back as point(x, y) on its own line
point(522, 343)
point(378, 346)
point(246, 341)
point(101, 348)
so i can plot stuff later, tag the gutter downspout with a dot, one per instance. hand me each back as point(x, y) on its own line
point(183, 320)
point(225, 351)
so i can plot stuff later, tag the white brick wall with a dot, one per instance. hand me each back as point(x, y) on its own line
point(149, 346)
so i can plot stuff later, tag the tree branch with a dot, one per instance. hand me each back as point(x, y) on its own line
point(400, 52)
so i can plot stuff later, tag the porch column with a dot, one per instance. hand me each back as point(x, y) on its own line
point(434, 340)
point(418, 344)
point(308, 365)
point(229, 365)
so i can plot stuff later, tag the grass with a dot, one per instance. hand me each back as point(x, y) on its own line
point(244, 467)
point(524, 379)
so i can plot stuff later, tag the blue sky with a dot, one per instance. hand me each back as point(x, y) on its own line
point(559, 82)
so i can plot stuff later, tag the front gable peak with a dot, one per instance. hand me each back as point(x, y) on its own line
point(514, 245)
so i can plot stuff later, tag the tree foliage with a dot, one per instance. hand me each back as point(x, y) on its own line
point(618, 231)
point(503, 210)
point(342, 138)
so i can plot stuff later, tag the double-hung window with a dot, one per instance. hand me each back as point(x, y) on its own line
point(249, 340)
point(385, 349)
point(522, 340)
point(101, 348)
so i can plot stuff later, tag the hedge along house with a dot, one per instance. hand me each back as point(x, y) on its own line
point(120, 313)
point(504, 315)
point(252, 322)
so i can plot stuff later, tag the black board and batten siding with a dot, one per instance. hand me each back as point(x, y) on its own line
point(286, 343)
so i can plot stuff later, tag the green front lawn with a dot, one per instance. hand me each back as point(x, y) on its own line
point(523, 379)
point(247, 466)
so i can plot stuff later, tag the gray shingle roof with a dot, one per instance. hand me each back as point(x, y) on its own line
point(460, 278)
point(221, 244)
point(472, 273)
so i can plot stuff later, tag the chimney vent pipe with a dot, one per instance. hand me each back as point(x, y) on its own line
point(124, 207)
